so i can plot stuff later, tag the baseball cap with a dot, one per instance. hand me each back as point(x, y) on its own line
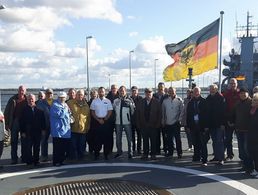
point(62, 94)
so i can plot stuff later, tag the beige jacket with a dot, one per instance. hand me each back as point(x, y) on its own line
point(81, 115)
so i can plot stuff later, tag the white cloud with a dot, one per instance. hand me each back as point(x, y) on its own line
point(30, 25)
point(98, 9)
point(131, 17)
point(133, 34)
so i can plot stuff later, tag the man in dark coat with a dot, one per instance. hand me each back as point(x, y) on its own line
point(136, 144)
point(148, 121)
point(32, 123)
point(216, 107)
point(197, 122)
point(160, 96)
point(12, 116)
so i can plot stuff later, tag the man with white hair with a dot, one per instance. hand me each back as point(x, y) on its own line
point(197, 122)
point(32, 124)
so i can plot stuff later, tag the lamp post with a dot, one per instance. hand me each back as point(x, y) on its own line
point(1, 7)
point(109, 81)
point(87, 67)
point(130, 68)
point(155, 74)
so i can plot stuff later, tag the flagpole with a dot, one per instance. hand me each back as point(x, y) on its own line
point(220, 48)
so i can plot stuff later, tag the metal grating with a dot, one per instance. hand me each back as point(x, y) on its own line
point(99, 187)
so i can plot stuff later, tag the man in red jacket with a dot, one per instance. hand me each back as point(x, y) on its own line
point(232, 98)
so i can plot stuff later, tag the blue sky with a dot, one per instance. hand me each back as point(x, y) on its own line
point(42, 42)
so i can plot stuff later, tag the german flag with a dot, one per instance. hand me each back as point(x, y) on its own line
point(199, 51)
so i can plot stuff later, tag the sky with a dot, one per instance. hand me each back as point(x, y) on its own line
point(43, 42)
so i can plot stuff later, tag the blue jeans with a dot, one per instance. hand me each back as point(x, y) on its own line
point(217, 136)
point(78, 145)
point(242, 139)
point(128, 132)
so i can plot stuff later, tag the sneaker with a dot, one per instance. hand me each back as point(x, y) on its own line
point(254, 173)
point(190, 149)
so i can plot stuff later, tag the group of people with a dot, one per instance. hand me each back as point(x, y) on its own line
point(74, 123)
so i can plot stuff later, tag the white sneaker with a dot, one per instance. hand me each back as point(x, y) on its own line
point(254, 173)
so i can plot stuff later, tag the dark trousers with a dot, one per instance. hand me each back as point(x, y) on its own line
point(149, 135)
point(189, 137)
point(228, 140)
point(217, 136)
point(15, 140)
point(200, 139)
point(173, 132)
point(160, 131)
point(103, 136)
point(44, 144)
point(1, 147)
point(137, 143)
point(77, 147)
point(254, 156)
point(60, 149)
point(90, 140)
point(31, 146)
point(242, 140)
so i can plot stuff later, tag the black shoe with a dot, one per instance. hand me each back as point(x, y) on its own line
point(14, 162)
point(213, 160)
point(139, 152)
point(229, 158)
point(36, 164)
point(117, 155)
point(130, 156)
point(106, 157)
point(144, 157)
point(153, 157)
point(220, 162)
point(168, 154)
point(179, 156)
point(96, 156)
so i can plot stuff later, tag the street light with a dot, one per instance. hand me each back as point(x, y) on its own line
point(155, 73)
point(130, 68)
point(1, 7)
point(87, 67)
point(109, 81)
